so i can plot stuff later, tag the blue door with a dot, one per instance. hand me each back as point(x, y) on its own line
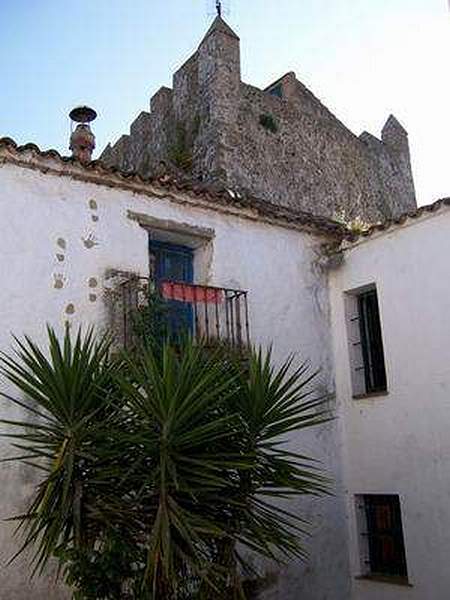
point(174, 263)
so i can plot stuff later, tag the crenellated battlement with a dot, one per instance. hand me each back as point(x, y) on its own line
point(280, 143)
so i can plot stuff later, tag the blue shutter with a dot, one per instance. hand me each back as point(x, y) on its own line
point(174, 263)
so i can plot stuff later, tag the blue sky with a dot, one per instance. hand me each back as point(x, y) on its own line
point(363, 58)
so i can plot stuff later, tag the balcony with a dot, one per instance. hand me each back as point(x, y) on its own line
point(206, 312)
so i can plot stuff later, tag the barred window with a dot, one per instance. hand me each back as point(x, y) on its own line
point(381, 531)
point(371, 342)
point(365, 342)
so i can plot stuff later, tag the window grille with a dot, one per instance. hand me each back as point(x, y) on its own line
point(213, 314)
point(384, 535)
point(367, 362)
point(371, 342)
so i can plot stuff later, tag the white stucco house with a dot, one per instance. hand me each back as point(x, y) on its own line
point(396, 443)
point(67, 229)
point(372, 311)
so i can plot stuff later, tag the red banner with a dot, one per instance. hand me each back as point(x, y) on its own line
point(185, 292)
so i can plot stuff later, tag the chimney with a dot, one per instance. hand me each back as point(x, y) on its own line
point(82, 140)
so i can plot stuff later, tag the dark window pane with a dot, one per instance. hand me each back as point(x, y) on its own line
point(385, 535)
point(276, 90)
point(371, 342)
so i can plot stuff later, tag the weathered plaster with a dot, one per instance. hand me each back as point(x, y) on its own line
point(59, 281)
point(90, 241)
point(194, 235)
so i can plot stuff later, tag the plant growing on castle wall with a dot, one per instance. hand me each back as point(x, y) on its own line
point(180, 152)
point(268, 121)
point(158, 467)
point(357, 225)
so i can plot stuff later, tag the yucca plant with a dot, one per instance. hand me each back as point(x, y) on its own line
point(160, 464)
point(185, 462)
point(70, 400)
point(272, 404)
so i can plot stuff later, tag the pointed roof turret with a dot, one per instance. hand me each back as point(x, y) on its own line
point(220, 26)
point(395, 137)
point(392, 124)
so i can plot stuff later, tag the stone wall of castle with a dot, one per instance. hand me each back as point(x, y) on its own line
point(308, 158)
point(280, 144)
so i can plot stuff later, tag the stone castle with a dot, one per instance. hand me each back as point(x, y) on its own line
point(280, 144)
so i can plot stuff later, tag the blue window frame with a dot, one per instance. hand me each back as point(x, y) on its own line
point(173, 262)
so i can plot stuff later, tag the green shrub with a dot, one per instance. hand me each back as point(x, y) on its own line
point(158, 469)
point(268, 122)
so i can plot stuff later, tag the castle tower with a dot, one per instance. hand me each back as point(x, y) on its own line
point(280, 144)
point(395, 140)
point(219, 81)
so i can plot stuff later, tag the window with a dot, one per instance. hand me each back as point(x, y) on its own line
point(276, 90)
point(381, 535)
point(371, 342)
point(365, 342)
point(177, 260)
point(170, 262)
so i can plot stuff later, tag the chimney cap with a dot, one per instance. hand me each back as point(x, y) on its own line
point(82, 114)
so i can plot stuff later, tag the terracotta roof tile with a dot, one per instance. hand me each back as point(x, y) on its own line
point(401, 219)
point(210, 193)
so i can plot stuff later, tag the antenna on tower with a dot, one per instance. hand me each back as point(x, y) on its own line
point(218, 8)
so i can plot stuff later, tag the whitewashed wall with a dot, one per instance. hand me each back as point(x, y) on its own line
point(400, 443)
point(56, 234)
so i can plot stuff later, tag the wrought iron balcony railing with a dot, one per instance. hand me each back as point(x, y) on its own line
point(208, 312)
